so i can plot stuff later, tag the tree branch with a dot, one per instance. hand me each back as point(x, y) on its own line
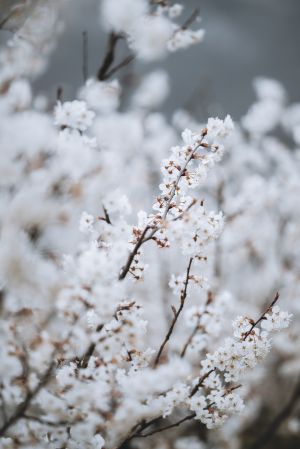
point(177, 313)
point(144, 238)
point(262, 317)
point(109, 56)
point(189, 340)
point(200, 382)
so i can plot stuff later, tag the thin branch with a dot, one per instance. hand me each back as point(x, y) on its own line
point(194, 16)
point(83, 363)
point(106, 216)
point(177, 313)
point(23, 407)
point(192, 203)
point(144, 238)
point(3, 405)
point(46, 421)
point(85, 56)
point(162, 429)
point(109, 56)
point(59, 93)
point(119, 66)
point(262, 317)
point(271, 430)
point(133, 253)
point(189, 340)
point(200, 382)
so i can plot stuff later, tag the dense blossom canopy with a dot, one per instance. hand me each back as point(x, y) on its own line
point(140, 258)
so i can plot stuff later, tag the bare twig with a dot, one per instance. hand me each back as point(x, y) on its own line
point(106, 216)
point(262, 317)
point(119, 66)
point(189, 340)
point(85, 56)
point(90, 351)
point(194, 16)
point(176, 313)
point(109, 56)
point(59, 93)
point(170, 426)
point(46, 422)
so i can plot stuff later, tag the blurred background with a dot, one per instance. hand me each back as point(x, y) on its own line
point(244, 39)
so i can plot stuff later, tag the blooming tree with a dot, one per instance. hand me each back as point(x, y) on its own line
point(129, 316)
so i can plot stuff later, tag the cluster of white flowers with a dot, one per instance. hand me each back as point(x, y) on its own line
point(249, 345)
point(150, 31)
point(74, 115)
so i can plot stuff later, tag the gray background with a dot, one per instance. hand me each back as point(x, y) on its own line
point(245, 38)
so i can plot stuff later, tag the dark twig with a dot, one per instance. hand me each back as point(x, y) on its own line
point(162, 429)
point(139, 434)
point(89, 352)
point(85, 56)
point(200, 382)
point(59, 93)
point(23, 407)
point(176, 312)
point(46, 422)
point(133, 253)
point(106, 215)
point(194, 16)
point(262, 317)
point(109, 56)
point(189, 340)
point(119, 66)
point(271, 430)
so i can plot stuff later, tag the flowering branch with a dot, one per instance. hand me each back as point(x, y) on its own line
point(189, 417)
point(262, 317)
point(144, 237)
point(176, 313)
point(200, 382)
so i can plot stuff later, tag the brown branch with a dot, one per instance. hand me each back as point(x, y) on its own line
point(85, 56)
point(162, 429)
point(23, 407)
point(271, 430)
point(200, 382)
point(133, 253)
point(106, 215)
point(176, 313)
point(189, 340)
point(106, 70)
point(144, 238)
point(119, 66)
point(262, 317)
point(194, 16)
point(109, 56)
point(83, 363)
point(46, 422)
